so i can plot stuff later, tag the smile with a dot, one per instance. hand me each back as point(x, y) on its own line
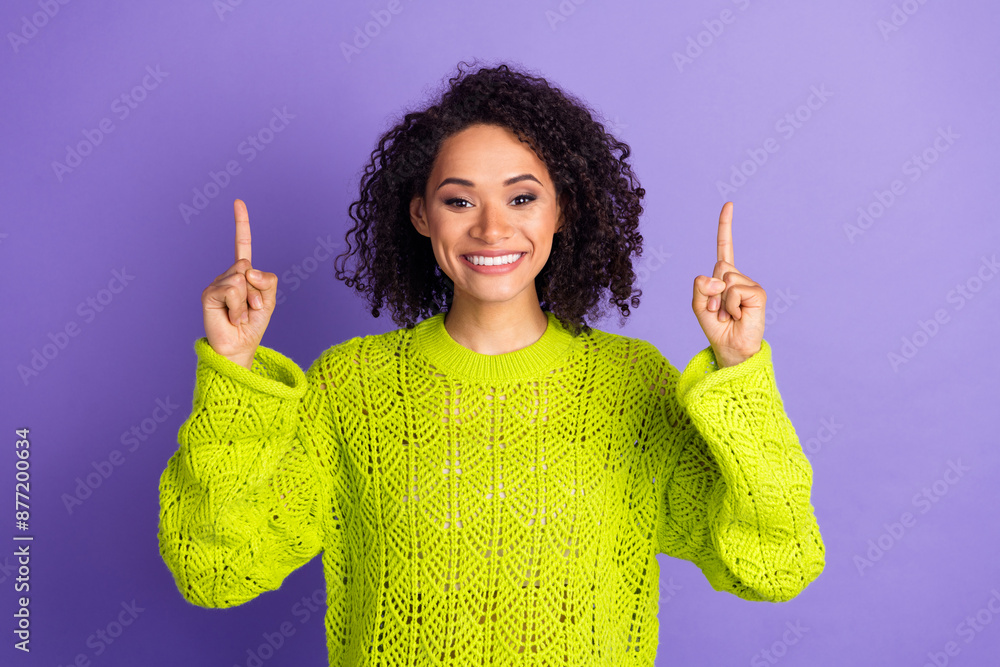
point(479, 260)
point(492, 265)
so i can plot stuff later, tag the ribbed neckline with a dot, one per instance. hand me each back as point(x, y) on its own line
point(432, 340)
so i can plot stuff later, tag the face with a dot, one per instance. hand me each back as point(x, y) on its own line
point(488, 194)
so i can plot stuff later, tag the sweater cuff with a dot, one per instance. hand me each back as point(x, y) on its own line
point(272, 373)
point(702, 373)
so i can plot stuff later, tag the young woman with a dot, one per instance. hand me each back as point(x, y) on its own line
point(490, 483)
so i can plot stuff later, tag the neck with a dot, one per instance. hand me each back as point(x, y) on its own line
point(495, 327)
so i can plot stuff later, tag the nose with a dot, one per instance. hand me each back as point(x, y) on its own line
point(492, 226)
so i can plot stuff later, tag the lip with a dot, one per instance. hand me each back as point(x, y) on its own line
point(492, 253)
point(502, 268)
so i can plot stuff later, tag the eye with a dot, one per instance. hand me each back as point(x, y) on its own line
point(454, 201)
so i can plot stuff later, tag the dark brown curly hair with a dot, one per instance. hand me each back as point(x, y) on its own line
point(598, 192)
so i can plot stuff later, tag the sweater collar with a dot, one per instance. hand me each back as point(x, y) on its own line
point(432, 340)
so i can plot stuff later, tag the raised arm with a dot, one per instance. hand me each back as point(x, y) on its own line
point(736, 482)
point(241, 498)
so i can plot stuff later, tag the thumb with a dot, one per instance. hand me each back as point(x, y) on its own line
point(265, 283)
point(705, 288)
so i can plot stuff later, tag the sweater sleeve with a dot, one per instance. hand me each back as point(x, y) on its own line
point(239, 499)
point(737, 484)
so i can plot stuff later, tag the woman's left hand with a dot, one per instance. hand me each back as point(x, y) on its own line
point(729, 306)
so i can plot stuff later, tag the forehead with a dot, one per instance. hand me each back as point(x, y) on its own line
point(487, 150)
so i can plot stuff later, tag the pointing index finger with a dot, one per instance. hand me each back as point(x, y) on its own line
point(725, 243)
point(242, 230)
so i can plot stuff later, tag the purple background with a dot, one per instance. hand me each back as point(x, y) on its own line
point(878, 434)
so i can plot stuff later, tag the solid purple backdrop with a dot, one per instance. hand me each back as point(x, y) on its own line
point(804, 114)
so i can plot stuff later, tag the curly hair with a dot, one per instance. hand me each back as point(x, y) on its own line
point(599, 193)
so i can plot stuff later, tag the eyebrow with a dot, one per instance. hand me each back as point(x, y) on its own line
point(469, 184)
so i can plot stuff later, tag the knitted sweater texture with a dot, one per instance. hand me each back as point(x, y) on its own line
point(480, 509)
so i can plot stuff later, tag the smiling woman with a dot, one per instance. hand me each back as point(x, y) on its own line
point(491, 484)
point(501, 154)
point(490, 239)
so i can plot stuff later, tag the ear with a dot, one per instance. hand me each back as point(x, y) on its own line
point(418, 215)
point(563, 198)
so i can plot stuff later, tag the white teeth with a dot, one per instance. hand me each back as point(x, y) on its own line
point(493, 261)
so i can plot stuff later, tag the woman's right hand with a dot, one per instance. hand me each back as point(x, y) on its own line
point(238, 304)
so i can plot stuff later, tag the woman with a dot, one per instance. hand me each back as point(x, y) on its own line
point(490, 483)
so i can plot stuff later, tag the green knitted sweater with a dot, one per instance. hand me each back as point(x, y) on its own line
point(478, 509)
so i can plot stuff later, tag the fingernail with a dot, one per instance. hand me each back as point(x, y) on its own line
point(245, 318)
point(255, 301)
point(254, 274)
